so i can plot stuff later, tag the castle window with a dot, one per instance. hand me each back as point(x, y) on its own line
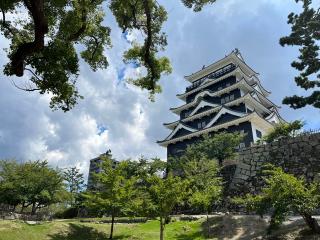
point(258, 133)
point(231, 97)
point(227, 99)
point(242, 145)
point(219, 88)
point(199, 125)
point(228, 85)
point(203, 124)
point(223, 101)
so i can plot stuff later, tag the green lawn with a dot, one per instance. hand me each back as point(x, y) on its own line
point(231, 227)
point(74, 230)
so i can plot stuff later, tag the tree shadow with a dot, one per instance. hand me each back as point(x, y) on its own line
point(81, 232)
point(186, 236)
point(234, 227)
point(298, 228)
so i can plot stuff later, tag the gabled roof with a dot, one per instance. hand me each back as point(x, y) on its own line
point(253, 117)
point(180, 126)
point(234, 57)
point(238, 72)
point(223, 111)
point(202, 104)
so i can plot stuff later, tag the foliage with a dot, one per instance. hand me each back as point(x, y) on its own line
point(165, 194)
point(305, 33)
point(283, 130)
point(30, 183)
point(75, 183)
point(205, 184)
point(220, 146)
point(284, 193)
point(114, 193)
point(45, 43)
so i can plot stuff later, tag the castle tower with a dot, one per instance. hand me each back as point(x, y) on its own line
point(224, 96)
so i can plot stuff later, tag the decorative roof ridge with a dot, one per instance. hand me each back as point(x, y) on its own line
point(234, 53)
point(268, 100)
point(177, 128)
point(258, 83)
point(208, 92)
point(275, 112)
point(212, 81)
point(222, 111)
point(219, 126)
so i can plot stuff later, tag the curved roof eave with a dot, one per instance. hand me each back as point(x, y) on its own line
point(217, 127)
point(214, 66)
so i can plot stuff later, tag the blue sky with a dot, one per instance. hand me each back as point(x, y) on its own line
point(119, 116)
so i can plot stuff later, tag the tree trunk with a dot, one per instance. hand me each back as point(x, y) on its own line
point(22, 207)
point(34, 209)
point(311, 222)
point(112, 225)
point(161, 228)
point(208, 225)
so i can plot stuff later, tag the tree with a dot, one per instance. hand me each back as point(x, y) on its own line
point(31, 183)
point(284, 193)
point(205, 184)
point(44, 43)
point(220, 146)
point(75, 183)
point(165, 194)
point(115, 193)
point(40, 184)
point(9, 193)
point(305, 33)
point(282, 130)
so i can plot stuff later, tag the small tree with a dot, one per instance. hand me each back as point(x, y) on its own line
point(165, 194)
point(75, 183)
point(115, 193)
point(205, 184)
point(220, 146)
point(283, 193)
point(283, 130)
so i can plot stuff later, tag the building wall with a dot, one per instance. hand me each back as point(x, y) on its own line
point(178, 148)
point(299, 156)
point(214, 87)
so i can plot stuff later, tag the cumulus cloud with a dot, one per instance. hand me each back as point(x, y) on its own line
point(118, 116)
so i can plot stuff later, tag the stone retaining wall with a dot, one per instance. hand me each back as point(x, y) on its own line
point(299, 156)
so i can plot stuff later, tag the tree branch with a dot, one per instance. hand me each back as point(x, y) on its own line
point(24, 50)
point(148, 42)
point(25, 89)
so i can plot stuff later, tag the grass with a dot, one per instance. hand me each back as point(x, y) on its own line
point(73, 230)
point(221, 227)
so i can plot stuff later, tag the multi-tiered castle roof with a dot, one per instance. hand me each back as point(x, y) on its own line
point(224, 96)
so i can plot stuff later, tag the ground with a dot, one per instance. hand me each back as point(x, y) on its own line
point(221, 227)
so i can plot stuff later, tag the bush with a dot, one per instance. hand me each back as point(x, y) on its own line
point(71, 212)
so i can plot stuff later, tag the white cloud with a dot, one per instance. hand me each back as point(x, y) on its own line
point(133, 124)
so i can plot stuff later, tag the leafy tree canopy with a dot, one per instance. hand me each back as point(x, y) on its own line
point(114, 193)
point(284, 193)
point(30, 183)
point(283, 130)
point(45, 43)
point(74, 181)
point(218, 147)
point(305, 33)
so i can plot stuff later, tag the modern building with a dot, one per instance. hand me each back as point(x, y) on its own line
point(224, 96)
point(95, 167)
